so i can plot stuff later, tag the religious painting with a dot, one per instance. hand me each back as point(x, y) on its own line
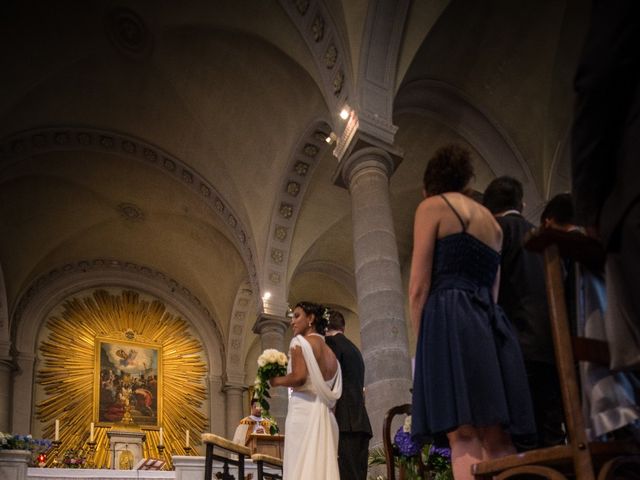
point(128, 382)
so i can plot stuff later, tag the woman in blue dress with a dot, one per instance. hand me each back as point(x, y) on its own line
point(470, 388)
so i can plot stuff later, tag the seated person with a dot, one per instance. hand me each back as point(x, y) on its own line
point(253, 423)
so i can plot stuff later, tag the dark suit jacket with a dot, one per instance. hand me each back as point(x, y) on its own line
point(351, 413)
point(522, 291)
point(606, 129)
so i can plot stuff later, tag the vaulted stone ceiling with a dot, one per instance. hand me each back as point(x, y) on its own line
point(174, 136)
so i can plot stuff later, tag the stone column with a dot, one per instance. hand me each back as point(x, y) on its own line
point(6, 366)
point(234, 397)
point(381, 298)
point(23, 392)
point(271, 329)
point(217, 407)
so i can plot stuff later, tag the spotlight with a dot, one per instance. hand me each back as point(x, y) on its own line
point(344, 113)
point(266, 296)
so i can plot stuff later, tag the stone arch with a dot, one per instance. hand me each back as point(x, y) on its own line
point(447, 105)
point(242, 307)
point(69, 138)
point(327, 47)
point(295, 180)
point(50, 289)
point(384, 28)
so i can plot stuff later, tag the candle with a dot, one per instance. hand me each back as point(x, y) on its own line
point(91, 432)
point(56, 436)
point(186, 443)
point(161, 437)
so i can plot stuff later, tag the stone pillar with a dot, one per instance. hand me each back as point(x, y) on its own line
point(235, 397)
point(14, 464)
point(23, 392)
point(6, 366)
point(271, 329)
point(217, 407)
point(381, 298)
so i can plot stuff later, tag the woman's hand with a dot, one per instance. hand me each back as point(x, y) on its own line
point(298, 374)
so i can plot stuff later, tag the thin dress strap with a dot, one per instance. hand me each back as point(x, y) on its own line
point(464, 227)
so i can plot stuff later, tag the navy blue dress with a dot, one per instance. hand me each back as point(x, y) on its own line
point(468, 368)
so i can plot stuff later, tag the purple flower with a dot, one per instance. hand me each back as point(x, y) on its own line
point(443, 452)
point(406, 446)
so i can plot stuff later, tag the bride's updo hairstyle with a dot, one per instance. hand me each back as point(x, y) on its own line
point(449, 170)
point(321, 322)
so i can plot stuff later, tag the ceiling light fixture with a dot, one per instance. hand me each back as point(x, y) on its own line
point(330, 138)
point(266, 296)
point(344, 113)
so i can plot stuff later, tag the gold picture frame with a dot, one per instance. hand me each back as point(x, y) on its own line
point(128, 376)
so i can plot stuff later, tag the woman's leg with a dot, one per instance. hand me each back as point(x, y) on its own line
point(466, 449)
point(496, 443)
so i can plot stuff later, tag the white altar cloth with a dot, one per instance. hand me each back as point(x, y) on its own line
point(186, 468)
point(96, 474)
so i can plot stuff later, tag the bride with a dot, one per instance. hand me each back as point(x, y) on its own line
point(311, 431)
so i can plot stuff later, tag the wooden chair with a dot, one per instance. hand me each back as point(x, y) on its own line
point(274, 463)
point(387, 439)
point(578, 458)
point(235, 455)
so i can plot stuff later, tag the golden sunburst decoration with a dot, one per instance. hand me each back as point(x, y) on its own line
point(71, 373)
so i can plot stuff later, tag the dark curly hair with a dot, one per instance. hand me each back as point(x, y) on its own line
point(504, 193)
point(449, 170)
point(560, 208)
point(320, 323)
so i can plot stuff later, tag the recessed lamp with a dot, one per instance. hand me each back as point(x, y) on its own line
point(266, 296)
point(344, 113)
point(330, 138)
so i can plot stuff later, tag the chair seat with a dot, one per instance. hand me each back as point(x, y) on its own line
point(556, 457)
point(226, 444)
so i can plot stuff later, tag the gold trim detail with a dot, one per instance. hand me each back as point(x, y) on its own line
point(70, 375)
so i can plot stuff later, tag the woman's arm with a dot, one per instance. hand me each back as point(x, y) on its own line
point(425, 232)
point(298, 374)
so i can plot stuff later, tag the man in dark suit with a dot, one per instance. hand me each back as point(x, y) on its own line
point(351, 413)
point(606, 163)
point(523, 297)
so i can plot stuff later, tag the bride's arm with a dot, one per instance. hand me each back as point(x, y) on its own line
point(298, 374)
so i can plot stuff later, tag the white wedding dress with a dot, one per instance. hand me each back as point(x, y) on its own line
point(311, 431)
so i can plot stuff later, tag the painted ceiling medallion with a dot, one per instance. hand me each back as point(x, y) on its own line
point(128, 33)
point(130, 211)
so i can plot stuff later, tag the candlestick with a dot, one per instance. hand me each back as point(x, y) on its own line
point(161, 441)
point(186, 442)
point(56, 436)
point(91, 431)
point(55, 448)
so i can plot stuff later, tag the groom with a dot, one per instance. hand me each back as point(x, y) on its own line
point(351, 414)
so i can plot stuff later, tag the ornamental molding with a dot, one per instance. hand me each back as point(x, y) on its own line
point(48, 290)
point(243, 306)
point(327, 47)
point(21, 145)
point(304, 159)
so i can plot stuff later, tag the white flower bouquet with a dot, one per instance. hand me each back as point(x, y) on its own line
point(271, 363)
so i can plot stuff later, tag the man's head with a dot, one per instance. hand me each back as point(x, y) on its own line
point(559, 213)
point(336, 321)
point(256, 408)
point(503, 194)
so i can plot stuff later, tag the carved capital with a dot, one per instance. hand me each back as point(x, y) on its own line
point(270, 324)
point(367, 152)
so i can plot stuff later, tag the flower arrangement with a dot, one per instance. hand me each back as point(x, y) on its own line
point(73, 459)
point(37, 447)
point(419, 462)
point(271, 363)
